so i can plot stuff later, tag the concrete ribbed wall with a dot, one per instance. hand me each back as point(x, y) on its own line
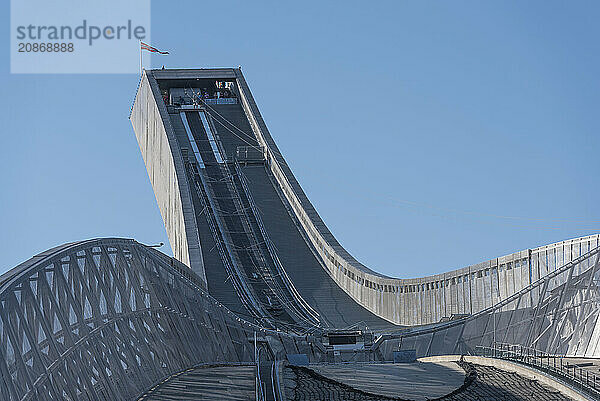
point(166, 171)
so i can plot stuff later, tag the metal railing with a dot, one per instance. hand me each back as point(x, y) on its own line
point(276, 381)
point(249, 153)
point(572, 373)
point(259, 386)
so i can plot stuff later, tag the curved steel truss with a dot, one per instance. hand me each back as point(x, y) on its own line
point(107, 319)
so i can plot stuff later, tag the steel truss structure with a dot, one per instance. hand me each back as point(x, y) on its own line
point(107, 319)
point(558, 314)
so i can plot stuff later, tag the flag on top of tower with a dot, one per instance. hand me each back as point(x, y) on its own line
point(145, 46)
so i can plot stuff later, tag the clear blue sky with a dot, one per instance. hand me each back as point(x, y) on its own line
point(409, 124)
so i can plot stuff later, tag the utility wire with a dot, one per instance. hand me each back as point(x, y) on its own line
point(419, 204)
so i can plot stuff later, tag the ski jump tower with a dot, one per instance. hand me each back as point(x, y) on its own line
point(110, 318)
point(238, 217)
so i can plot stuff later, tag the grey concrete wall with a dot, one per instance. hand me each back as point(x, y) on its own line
point(166, 171)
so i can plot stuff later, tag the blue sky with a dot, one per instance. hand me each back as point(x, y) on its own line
point(429, 135)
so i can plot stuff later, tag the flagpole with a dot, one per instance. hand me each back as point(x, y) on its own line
point(141, 68)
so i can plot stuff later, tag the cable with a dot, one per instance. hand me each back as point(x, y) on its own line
point(417, 204)
point(224, 118)
point(252, 137)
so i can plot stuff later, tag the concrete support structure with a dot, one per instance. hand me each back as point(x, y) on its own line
point(404, 302)
point(162, 156)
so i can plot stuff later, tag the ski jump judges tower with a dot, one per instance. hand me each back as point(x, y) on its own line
point(256, 274)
